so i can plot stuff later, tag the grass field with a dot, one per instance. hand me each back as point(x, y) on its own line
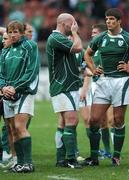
point(43, 129)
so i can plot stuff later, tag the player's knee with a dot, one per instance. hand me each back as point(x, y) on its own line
point(72, 120)
point(94, 121)
point(118, 121)
point(21, 131)
point(86, 119)
point(86, 123)
point(104, 124)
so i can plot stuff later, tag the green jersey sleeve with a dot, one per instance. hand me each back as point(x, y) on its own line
point(60, 42)
point(32, 69)
point(97, 41)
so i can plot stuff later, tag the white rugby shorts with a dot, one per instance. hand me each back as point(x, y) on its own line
point(24, 105)
point(111, 90)
point(66, 101)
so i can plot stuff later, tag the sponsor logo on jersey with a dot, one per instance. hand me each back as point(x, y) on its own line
point(112, 40)
point(120, 43)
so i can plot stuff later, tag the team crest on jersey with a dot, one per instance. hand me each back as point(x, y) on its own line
point(104, 43)
point(120, 43)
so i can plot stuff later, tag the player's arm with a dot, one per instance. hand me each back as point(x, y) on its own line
point(85, 87)
point(88, 72)
point(77, 43)
point(88, 58)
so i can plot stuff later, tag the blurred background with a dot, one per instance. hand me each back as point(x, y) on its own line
point(42, 14)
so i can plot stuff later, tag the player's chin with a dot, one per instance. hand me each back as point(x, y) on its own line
point(14, 40)
point(109, 28)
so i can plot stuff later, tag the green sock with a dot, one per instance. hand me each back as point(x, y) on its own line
point(19, 152)
point(112, 130)
point(94, 136)
point(106, 139)
point(87, 132)
point(119, 136)
point(76, 145)
point(70, 141)
point(112, 134)
point(27, 147)
point(4, 138)
point(60, 147)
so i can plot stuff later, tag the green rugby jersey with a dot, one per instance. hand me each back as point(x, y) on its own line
point(112, 50)
point(20, 66)
point(97, 62)
point(62, 64)
point(97, 58)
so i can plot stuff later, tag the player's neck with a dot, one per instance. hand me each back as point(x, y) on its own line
point(60, 29)
point(115, 32)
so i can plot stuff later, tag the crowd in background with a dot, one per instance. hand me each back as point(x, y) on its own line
point(42, 15)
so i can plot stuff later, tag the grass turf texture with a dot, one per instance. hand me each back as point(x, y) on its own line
point(42, 128)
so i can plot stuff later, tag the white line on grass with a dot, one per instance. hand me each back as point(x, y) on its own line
point(61, 177)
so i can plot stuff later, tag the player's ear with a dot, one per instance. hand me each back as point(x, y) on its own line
point(119, 21)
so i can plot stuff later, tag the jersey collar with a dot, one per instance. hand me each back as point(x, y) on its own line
point(116, 34)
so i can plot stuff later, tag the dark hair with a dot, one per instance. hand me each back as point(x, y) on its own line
point(114, 12)
point(16, 25)
point(25, 26)
point(101, 27)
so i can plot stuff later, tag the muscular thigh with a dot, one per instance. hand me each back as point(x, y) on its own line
point(61, 121)
point(98, 112)
point(70, 118)
point(110, 116)
point(85, 113)
point(21, 120)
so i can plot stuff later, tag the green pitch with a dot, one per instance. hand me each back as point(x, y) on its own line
point(42, 128)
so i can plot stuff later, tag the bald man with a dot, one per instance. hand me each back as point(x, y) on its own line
point(64, 85)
